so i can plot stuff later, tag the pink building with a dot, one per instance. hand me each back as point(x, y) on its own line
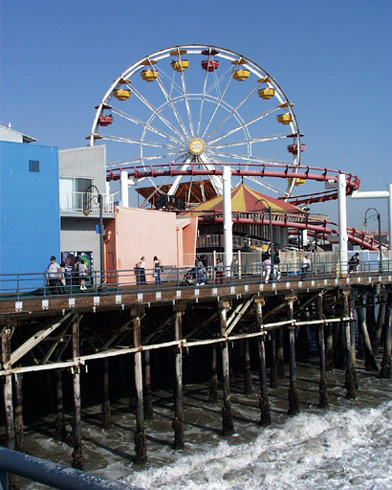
point(136, 232)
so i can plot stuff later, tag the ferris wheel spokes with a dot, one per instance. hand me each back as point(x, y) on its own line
point(234, 110)
point(146, 124)
point(246, 142)
point(173, 107)
point(157, 113)
point(242, 126)
point(221, 96)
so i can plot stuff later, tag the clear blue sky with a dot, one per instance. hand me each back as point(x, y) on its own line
point(332, 58)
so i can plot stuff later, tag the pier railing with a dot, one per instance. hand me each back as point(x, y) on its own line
point(52, 474)
point(19, 286)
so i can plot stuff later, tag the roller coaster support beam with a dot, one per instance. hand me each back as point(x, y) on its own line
point(124, 188)
point(377, 195)
point(342, 208)
point(227, 219)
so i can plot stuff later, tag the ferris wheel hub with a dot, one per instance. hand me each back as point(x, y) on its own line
point(196, 146)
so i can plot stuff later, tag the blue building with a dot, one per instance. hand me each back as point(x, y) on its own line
point(29, 204)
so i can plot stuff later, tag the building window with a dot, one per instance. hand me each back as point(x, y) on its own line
point(72, 193)
point(34, 165)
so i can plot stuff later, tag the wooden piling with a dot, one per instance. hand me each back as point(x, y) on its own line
point(323, 387)
point(106, 418)
point(213, 397)
point(227, 417)
point(18, 401)
point(248, 372)
point(265, 412)
point(329, 355)
point(178, 422)
point(273, 370)
point(385, 371)
point(140, 436)
point(77, 454)
point(370, 361)
point(293, 393)
point(380, 322)
point(60, 431)
point(148, 410)
point(280, 354)
point(7, 389)
point(349, 376)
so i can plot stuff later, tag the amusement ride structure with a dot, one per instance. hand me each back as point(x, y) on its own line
point(185, 113)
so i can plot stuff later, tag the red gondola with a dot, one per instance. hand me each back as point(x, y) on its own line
point(105, 120)
point(294, 149)
point(209, 65)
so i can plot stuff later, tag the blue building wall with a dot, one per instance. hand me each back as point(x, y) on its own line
point(29, 207)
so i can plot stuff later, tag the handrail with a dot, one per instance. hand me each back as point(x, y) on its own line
point(17, 287)
point(55, 475)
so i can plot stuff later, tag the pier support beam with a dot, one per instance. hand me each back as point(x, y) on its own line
point(140, 436)
point(18, 398)
point(213, 398)
point(227, 417)
point(280, 353)
point(60, 432)
point(273, 371)
point(323, 388)
point(148, 410)
point(265, 412)
point(293, 393)
point(380, 322)
point(7, 389)
point(247, 368)
point(385, 371)
point(178, 422)
point(77, 455)
point(370, 362)
point(350, 375)
point(106, 420)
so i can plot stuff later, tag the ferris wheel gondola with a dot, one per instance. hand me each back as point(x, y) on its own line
point(201, 106)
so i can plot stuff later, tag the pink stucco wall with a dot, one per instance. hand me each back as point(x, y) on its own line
point(135, 232)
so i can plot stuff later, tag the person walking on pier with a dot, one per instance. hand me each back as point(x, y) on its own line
point(53, 276)
point(157, 270)
point(267, 266)
point(219, 271)
point(141, 271)
point(82, 274)
point(305, 267)
point(353, 263)
point(276, 267)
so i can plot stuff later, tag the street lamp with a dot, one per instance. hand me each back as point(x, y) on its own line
point(268, 206)
point(98, 198)
point(376, 216)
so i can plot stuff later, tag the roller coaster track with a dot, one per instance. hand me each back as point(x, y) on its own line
point(322, 228)
point(279, 171)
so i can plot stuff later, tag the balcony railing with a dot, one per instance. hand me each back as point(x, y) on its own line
point(75, 202)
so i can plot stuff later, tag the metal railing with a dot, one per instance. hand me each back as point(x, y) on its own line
point(52, 474)
point(76, 202)
point(19, 286)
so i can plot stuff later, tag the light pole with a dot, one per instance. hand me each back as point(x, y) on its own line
point(378, 218)
point(270, 224)
point(98, 198)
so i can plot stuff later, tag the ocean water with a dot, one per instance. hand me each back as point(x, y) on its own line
point(347, 446)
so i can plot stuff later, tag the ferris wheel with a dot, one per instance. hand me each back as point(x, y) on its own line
point(198, 106)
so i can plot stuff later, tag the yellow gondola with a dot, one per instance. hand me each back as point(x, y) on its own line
point(149, 75)
point(240, 75)
point(266, 92)
point(180, 65)
point(122, 93)
point(285, 118)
